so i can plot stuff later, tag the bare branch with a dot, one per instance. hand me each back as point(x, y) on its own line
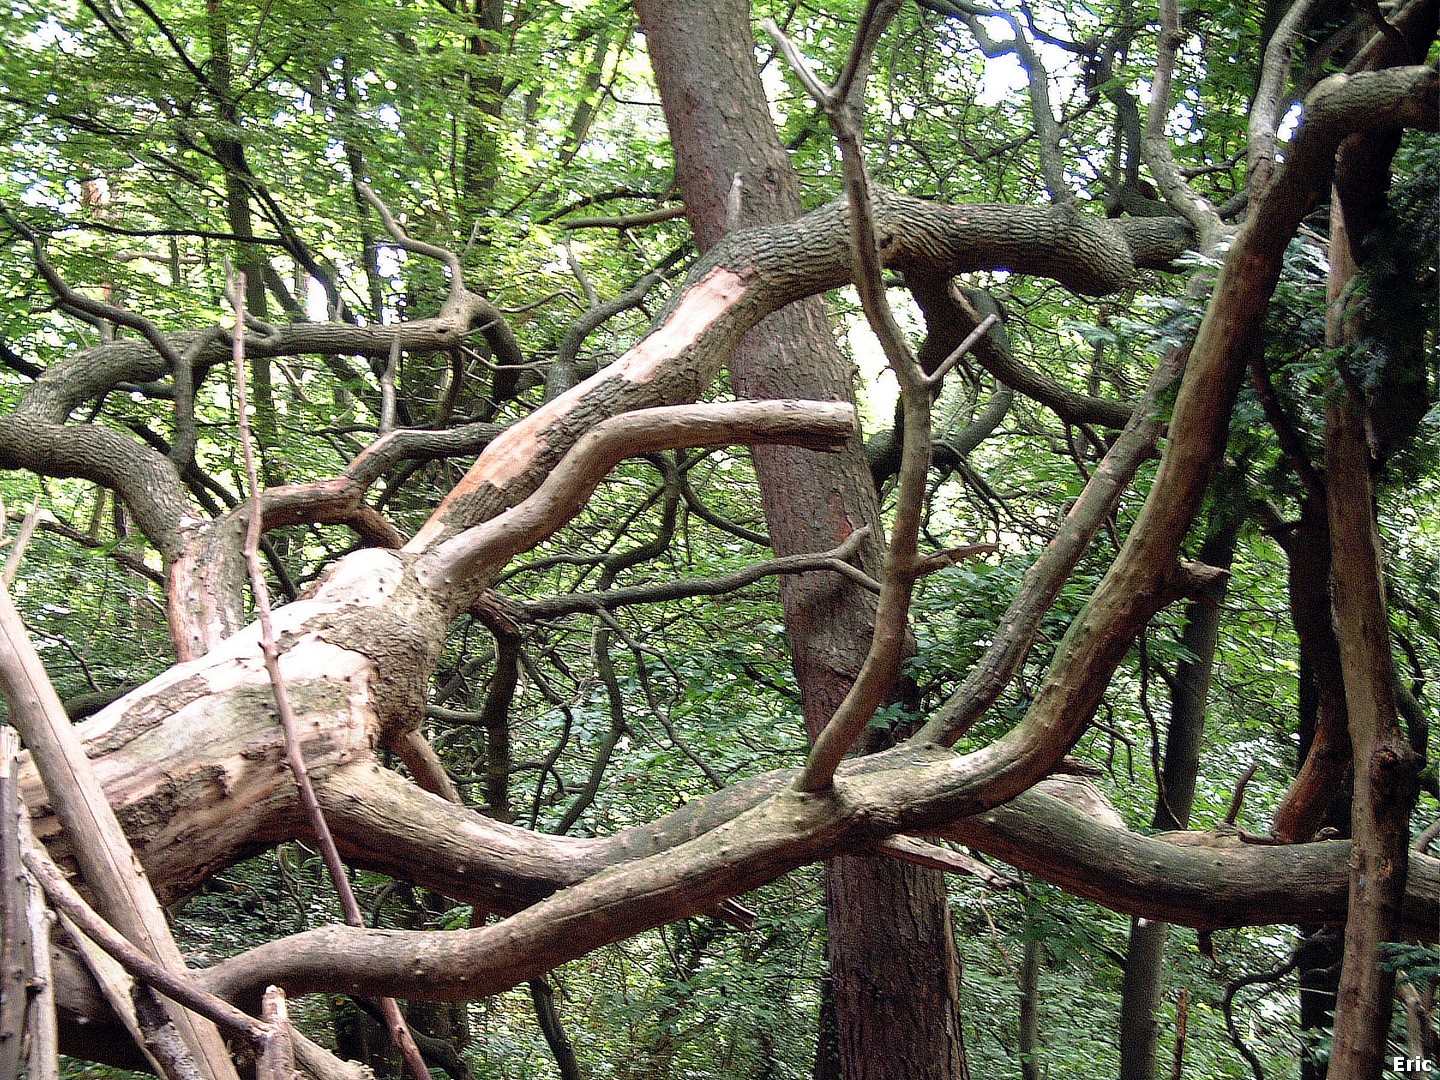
point(397, 232)
point(971, 340)
point(1265, 112)
point(625, 221)
point(1158, 153)
point(488, 546)
point(277, 1052)
point(1042, 112)
point(21, 542)
point(836, 560)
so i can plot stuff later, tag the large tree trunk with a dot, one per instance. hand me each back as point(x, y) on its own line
point(894, 967)
point(1386, 768)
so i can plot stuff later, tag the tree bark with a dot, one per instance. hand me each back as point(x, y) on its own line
point(100, 847)
point(1386, 768)
point(894, 967)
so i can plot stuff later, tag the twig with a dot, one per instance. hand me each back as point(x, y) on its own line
point(943, 560)
point(625, 221)
point(1182, 1015)
point(1390, 32)
point(86, 305)
point(971, 340)
point(1227, 1008)
point(22, 541)
point(1237, 798)
point(288, 723)
point(417, 247)
point(835, 559)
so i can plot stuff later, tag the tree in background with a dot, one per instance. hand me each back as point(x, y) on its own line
point(547, 703)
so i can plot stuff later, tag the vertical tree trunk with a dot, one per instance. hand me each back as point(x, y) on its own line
point(1386, 767)
point(1030, 1009)
point(484, 98)
point(894, 966)
point(1144, 980)
point(1320, 796)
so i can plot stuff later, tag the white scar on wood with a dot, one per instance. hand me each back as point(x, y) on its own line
point(514, 452)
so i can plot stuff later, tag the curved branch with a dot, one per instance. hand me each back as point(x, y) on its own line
point(1159, 154)
point(488, 546)
point(835, 560)
point(1189, 879)
point(1265, 112)
point(752, 273)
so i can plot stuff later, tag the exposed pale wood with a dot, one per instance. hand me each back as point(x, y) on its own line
point(115, 984)
point(15, 970)
point(87, 929)
point(95, 836)
point(277, 1055)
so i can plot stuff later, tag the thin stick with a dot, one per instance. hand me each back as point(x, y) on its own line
point(88, 921)
point(971, 340)
point(399, 1031)
point(22, 541)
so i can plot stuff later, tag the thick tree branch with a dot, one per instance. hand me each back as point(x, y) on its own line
point(98, 842)
point(1203, 882)
point(486, 548)
point(1159, 154)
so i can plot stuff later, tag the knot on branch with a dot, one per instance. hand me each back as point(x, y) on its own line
point(1196, 581)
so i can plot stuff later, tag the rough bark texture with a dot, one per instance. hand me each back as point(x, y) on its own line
point(894, 969)
point(893, 965)
point(1323, 780)
point(1386, 768)
point(191, 761)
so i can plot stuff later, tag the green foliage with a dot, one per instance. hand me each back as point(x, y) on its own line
point(150, 151)
point(1420, 963)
